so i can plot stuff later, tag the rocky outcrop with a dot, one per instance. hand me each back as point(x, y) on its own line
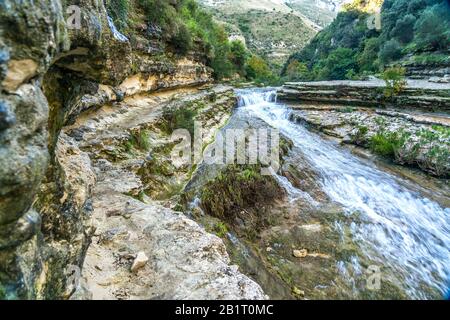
point(130, 151)
point(420, 140)
point(419, 94)
point(50, 73)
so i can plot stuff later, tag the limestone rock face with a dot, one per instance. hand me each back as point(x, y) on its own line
point(145, 249)
point(49, 75)
point(419, 94)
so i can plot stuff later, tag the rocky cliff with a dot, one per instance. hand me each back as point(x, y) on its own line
point(51, 71)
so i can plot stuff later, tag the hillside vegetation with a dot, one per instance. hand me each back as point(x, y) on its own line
point(412, 33)
point(182, 27)
point(271, 29)
point(268, 34)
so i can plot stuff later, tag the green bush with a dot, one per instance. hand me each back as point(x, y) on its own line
point(238, 56)
point(367, 59)
point(395, 81)
point(432, 31)
point(178, 118)
point(118, 10)
point(258, 70)
point(139, 140)
point(297, 70)
point(181, 40)
point(220, 229)
point(404, 29)
point(360, 134)
point(338, 64)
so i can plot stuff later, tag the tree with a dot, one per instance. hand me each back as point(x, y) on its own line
point(432, 31)
point(238, 56)
point(338, 63)
point(181, 40)
point(220, 61)
point(367, 60)
point(391, 51)
point(395, 81)
point(258, 70)
point(297, 70)
point(404, 29)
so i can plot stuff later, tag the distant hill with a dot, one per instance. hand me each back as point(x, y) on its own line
point(273, 29)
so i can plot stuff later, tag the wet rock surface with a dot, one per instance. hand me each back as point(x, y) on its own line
point(289, 244)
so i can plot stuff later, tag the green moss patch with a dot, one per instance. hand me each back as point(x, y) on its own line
point(236, 189)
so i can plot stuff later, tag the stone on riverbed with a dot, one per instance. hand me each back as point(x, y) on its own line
point(139, 262)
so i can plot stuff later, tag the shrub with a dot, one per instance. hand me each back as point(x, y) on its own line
point(220, 55)
point(395, 81)
point(360, 134)
point(181, 40)
point(118, 9)
point(138, 140)
point(238, 188)
point(387, 144)
point(404, 29)
point(179, 118)
point(238, 56)
point(258, 70)
point(297, 70)
point(220, 229)
point(432, 32)
point(338, 63)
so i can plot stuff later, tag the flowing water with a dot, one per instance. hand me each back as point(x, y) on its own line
point(401, 230)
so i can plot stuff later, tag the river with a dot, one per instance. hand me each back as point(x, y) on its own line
point(400, 229)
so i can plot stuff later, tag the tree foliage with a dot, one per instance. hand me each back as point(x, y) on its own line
point(408, 27)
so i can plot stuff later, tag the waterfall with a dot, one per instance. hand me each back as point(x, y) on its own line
point(400, 228)
point(255, 96)
point(116, 33)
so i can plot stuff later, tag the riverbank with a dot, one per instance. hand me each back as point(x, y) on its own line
point(415, 135)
